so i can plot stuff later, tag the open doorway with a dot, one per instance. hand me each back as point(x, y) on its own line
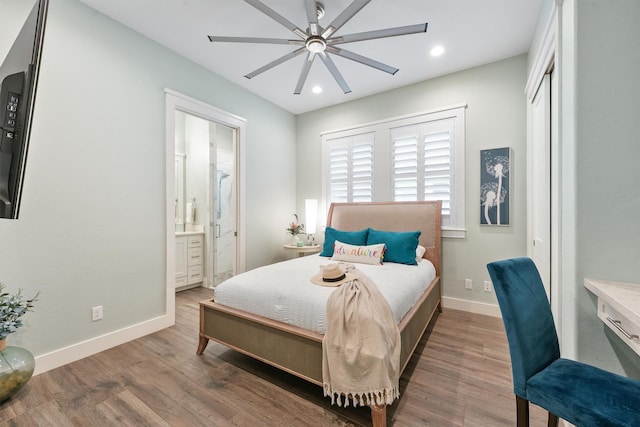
point(204, 187)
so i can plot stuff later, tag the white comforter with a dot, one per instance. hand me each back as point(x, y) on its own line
point(284, 292)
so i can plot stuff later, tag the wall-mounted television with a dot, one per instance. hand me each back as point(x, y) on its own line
point(18, 84)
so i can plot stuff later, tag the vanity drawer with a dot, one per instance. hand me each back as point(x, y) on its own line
point(195, 274)
point(194, 256)
point(628, 331)
point(195, 241)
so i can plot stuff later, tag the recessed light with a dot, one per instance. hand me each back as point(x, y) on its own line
point(316, 89)
point(437, 51)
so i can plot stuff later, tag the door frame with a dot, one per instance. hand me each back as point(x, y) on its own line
point(175, 101)
point(555, 52)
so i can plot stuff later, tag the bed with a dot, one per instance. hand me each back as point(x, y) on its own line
point(298, 350)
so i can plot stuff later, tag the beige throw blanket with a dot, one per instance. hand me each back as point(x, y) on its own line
point(361, 347)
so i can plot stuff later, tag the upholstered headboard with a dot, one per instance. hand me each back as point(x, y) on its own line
point(393, 216)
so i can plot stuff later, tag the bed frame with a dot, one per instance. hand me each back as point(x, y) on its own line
point(299, 351)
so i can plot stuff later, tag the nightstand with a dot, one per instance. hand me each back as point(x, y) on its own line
point(302, 250)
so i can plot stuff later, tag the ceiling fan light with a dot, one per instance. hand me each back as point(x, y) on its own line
point(316, 44)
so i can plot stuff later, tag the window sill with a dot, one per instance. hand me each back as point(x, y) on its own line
point(454, 233)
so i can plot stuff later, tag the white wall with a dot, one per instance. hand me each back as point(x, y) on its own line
point(92, 221)
point(608, 151)
point(496, 117)
point(197, 166)
point(14, 13)
point(546, 9)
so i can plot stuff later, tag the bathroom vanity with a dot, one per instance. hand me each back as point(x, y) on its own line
point(189, 259)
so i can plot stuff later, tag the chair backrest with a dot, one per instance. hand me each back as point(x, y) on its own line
point(533, 341)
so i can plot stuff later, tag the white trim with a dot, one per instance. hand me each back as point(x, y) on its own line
point(454, 233)
point(181, 102)
point(170, 227)
point(60, 357)
point(201, 109)
point(544, 56)
point(567, 59)
point(471, 306)
point(558, 48)
point(393, 119)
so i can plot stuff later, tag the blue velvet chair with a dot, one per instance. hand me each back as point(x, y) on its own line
point(582, 394)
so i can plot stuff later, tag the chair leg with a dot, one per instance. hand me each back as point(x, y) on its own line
point(522, 410)
point(553, 420)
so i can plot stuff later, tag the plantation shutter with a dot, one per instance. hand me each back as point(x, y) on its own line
point(421, 168)
point(418, 157)
point(405, 163)
point(437, 163)
point(351, 168)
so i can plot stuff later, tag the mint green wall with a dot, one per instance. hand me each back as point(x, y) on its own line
point(92, 223)
point(496, 117)
point(608, 151)
point(546, 8)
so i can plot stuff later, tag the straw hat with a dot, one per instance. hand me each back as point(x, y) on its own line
point(332, 275)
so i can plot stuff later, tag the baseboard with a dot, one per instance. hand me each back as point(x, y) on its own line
point(471, 306)
point(63, 356)
point(60, 357)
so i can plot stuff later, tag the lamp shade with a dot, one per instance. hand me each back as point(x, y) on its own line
point(311, 212)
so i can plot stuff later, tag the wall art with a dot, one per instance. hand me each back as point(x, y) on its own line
point(495, 191)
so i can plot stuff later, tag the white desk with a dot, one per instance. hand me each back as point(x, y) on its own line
point(619, 309)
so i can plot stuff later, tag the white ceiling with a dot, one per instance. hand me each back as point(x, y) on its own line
point(473, 32)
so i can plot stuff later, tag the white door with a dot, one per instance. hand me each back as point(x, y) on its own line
point(539, 177)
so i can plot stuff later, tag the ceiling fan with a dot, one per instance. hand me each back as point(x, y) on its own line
point(319, 41)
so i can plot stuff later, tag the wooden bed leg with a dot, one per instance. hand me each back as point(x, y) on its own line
point(202, 344)
point(379, 415)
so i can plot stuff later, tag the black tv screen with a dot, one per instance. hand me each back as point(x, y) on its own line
point(18, 83)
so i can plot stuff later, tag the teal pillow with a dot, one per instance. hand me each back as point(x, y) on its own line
point(358, 238)
point(401, 245)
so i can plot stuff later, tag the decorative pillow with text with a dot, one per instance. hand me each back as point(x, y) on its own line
point(372, 254)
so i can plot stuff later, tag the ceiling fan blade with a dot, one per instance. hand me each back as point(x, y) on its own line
point(342, 19)
point(363, 60)
point(277, 17)
point(379, 34)
point(304, 73)
point(334, 72)
point(276, 62)
point(312, 16)
point(254, 40)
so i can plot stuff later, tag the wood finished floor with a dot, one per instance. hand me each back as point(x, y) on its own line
point(459, 376)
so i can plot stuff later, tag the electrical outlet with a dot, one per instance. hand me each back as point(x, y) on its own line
point(488, 286)
point(96, 313)
point(468, 284)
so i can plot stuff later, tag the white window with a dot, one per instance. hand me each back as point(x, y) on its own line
point(419, 157)
point(350, 173)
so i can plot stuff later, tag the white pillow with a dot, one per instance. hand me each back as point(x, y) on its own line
point(420, 250)
point(371, 254)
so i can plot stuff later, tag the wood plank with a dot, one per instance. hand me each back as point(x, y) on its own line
point(460, 375)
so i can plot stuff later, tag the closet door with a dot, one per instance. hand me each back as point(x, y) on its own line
point(539, 182)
